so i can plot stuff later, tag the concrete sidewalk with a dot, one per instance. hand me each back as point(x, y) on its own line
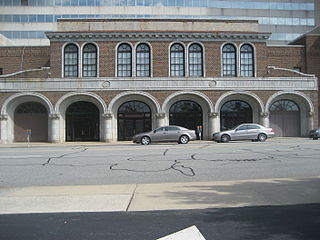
point(162, 196)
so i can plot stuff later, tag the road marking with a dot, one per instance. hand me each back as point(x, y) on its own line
point(190, 233)
point(155, 147)
point(24, 156)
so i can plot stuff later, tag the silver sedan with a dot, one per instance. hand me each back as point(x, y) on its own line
point(247, 131)
point(166, 134)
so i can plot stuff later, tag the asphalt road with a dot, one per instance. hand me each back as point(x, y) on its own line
point(295, 222)
point(54, 165)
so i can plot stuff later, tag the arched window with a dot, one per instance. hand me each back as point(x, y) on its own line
point(246, 61)
point(229, 62)
point(124, 60)
point(143, 60)
point(177, 60)
point(89, 61)
point(284, 106)
point(71, 60)
point(195, 61)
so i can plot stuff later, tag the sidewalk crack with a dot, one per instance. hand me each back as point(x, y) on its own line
point(131, 199)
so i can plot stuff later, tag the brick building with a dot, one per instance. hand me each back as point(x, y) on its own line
point(105, 80)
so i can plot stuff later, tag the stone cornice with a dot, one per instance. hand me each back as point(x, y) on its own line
point(120, 36)
point(154, 84)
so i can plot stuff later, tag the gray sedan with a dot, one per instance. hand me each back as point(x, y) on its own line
point(166, 134)
point(314, 134)
point(247, 131)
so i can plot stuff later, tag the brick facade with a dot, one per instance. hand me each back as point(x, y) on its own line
point(274, 79)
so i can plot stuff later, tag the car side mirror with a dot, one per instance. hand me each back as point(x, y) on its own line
point(154, 131)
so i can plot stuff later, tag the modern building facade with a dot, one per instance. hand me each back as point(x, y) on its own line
point(105, 80)
point(24, 22)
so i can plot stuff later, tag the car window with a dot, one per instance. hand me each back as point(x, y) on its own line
point(243, 127)
point(253, 127)
point(162, 129)
point(174, 129)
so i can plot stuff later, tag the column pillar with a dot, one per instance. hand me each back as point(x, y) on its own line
point(54, 134)
point(264, 119)
point(160, 119)
point(107, 127)
point(214, 123)
point(3, 129)
point(310, 116)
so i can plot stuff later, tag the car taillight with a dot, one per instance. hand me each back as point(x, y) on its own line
point(271, 130)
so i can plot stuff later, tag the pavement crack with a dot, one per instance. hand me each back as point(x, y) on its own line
point(63, 155)
point(132, 197)
point(165, 151)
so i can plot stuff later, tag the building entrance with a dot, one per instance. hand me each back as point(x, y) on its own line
point(285, 118)
point(186, 114)
point(82, 122)
point(133, 117)
point(31, 118)
point(233, 113)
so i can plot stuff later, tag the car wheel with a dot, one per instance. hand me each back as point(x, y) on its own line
point(262, 137)
point(225, 138)
point(145, 140)
point(184, 139)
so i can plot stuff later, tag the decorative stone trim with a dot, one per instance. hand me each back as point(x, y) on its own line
point(106, 84)
point(187, 36)
point(213, 114)
point(310, 114)
point(160, 115)
point(3, 117)
point(264, 114)
point(54, 116)
point(159, 83)
point(107, 115)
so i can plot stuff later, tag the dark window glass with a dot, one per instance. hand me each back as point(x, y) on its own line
point(284, 105)
point(1, 71)
point(89, 63)
point(71, 61)
point(143, 60)
point(195, 61)
point(229, 61)
point(124, 60)
point(234, 113)
point(31, 107)
point(177, 60)
point(246, 61)
point(24, 2)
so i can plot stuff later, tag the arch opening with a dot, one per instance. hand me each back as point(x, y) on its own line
point(233, 113)
point(31, 117)
point(133, 117)
point(285, 118)
point(186, 113)
point(82, 122)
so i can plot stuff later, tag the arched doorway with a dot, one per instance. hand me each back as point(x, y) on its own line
point(133, 117)
point(186, 113)
point(31, 116)
point(233, 113)
point(285, 118)
point(82, 122)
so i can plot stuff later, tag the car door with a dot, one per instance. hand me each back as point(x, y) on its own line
point(173, 133)
point(239, 133)
point(160, 134)
point(252, 131)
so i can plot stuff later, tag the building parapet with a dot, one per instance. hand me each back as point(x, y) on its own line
point(163, 36)
point(124, 84)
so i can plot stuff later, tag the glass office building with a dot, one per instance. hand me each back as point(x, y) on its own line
point(23, 22)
